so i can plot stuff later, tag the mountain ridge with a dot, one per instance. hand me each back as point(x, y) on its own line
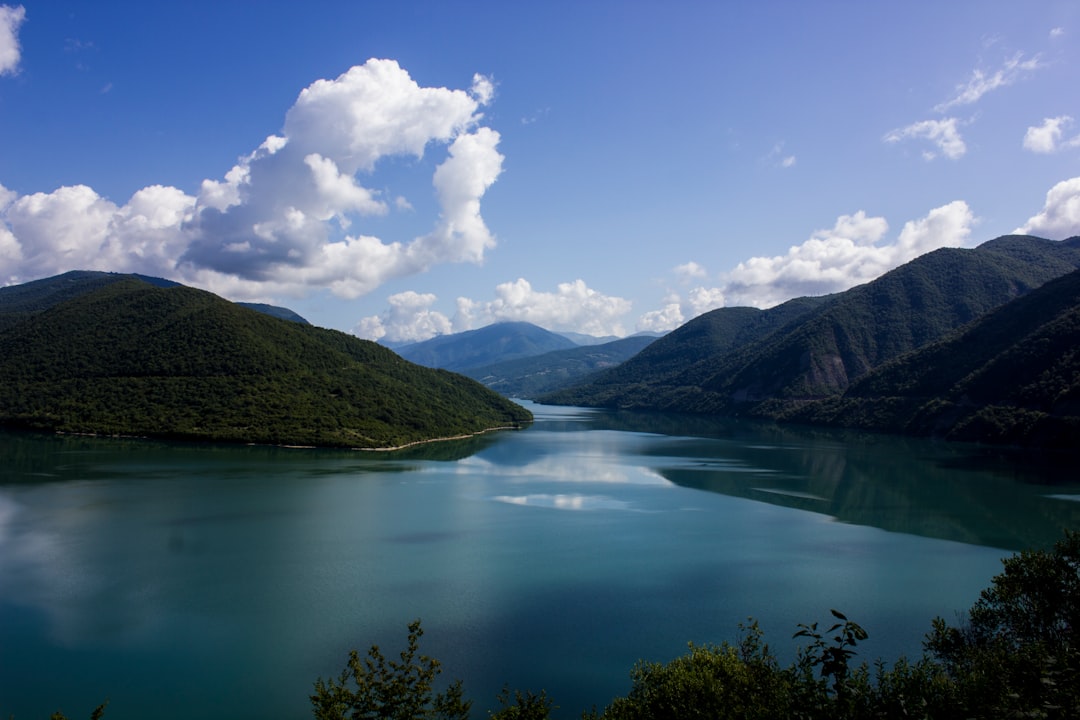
point(819, 353)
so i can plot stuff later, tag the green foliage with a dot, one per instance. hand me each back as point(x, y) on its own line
point(97, 713)
point(525, 705)
point(833, 659)
point(710, 682)
point(375, 688)
point(1018, 653)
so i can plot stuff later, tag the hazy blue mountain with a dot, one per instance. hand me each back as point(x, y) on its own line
point(537, 374)
point(491, 344)
point(131, 358)
point(583, 339)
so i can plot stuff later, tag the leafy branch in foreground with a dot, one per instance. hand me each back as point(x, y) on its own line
point(374, 688)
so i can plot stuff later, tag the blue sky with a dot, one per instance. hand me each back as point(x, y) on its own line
point(400, 170)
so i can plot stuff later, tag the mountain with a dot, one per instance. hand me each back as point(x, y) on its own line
point(583, 339)
point(1012, 376)
point(20, 301)
point(137, 359)
point(538, 374)
point(695, 343)
point(491, 344)
point(725, 363)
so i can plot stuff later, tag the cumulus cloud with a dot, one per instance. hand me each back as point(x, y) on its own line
point(408, 319)
point(1047, 138)
point(1060, 216)
point(942, 133)
point(10, 52)
point(572, 307)
point(981, 83)
point(848, 254)
point(282, 220)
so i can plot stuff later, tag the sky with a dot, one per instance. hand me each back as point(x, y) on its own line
point(403, 170)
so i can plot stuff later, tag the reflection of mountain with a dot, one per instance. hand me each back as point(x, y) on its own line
point(979, 495)
point(909, 487)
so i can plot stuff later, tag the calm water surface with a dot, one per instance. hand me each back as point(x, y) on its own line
point(193, 581)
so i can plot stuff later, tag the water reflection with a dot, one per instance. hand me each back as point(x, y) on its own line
point(1005, 498)
point(564, 501)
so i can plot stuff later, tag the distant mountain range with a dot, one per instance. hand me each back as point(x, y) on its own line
point(522, 360)
point(108, 354)
point(535, 375)
point(494, 343)
point(814, 359)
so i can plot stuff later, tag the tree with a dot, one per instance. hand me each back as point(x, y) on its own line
point(1018, 652)
point(374, 688)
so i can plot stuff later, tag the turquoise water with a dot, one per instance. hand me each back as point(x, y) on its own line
point(220, 582)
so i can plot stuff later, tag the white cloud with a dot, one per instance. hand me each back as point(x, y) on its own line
point(777, 157)
point(1046, 138)
point(688, 272)
point(10, 53)
point(943, 133)
point(279, 221)
point(980, 83)
point(408, 319)
point(1060, 216)
point(667, 318)
point(1057, 32)
point(572, 307)
point(847, 255)
point(830, 261)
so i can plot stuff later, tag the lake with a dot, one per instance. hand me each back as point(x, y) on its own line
point(187, 581)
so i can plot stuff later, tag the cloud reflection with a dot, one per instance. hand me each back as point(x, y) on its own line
point(573, 501)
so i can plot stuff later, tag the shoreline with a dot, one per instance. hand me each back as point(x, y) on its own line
point(286, 446)
point(435, 440)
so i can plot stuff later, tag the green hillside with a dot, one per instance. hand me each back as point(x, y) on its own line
point(729, 362)
point(132, 358)
point(18, 302)
point(1012, 377)
point(650, 379)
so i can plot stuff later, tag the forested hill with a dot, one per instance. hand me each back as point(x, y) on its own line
point(818, 353)
point(135, 359)
point(21, 301)
point(1013, 377)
